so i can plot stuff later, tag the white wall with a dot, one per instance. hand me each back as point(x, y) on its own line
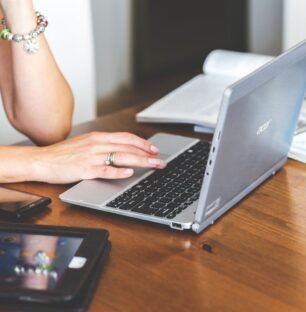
point(113, 40)
point(265, 26)
point(70, 36)
point(294, 22)
point(113, 35)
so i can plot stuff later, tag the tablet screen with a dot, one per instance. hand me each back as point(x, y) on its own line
point(34, 261)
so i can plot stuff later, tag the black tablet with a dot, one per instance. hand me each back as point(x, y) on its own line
point(47, 263)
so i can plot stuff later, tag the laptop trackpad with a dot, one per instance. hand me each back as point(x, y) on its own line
point(101, 190)
point(164, 156)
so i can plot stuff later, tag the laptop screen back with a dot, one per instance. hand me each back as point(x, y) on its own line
point(254, 132)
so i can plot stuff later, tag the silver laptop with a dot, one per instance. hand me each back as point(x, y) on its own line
point(202, 181)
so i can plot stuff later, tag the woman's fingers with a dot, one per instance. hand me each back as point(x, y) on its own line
point(132, 160)
point(109, 148)
point(122, 159)
point(123, 138)
point(109, 172)
point(126, 160)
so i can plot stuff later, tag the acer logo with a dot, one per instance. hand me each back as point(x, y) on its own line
point(263, 127)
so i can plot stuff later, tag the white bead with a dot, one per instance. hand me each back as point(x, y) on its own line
point(27, 37)
point(17, 38)
point(41, 29)
point(34, 34)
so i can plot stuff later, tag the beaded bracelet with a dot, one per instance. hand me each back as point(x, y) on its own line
point(31, 46)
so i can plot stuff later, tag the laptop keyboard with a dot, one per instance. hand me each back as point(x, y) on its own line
point(167, 192)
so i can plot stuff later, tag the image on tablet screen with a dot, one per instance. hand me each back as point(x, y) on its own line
point(35, 261)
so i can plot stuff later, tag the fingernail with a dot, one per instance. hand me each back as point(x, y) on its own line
point(163, 165)
point(154, 149)
point(155, 161)
point(128, 172)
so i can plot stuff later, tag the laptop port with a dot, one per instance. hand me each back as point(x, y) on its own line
point(175, 225)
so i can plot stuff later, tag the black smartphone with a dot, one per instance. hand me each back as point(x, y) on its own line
point(18, 205)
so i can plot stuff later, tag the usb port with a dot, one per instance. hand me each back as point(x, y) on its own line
point(175, 225)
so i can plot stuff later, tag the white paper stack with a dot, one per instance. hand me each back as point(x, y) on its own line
point(298, 146)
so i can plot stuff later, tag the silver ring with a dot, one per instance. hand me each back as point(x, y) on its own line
point(110, 159)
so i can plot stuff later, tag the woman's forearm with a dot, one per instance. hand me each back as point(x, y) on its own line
point(19, 15)
point(38, 100)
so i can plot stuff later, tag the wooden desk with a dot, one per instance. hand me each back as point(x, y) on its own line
point(252, 259)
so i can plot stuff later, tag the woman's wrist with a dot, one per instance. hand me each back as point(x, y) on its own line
point(18, 163)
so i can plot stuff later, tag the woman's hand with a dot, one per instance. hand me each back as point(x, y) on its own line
point(83, 157)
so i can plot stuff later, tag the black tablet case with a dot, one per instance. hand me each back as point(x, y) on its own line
point(79, 304)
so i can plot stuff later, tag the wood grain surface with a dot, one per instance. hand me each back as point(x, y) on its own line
point(252, 259)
